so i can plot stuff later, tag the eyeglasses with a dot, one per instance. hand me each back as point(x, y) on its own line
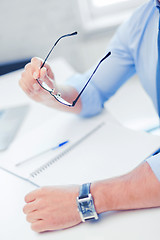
point(57, 96)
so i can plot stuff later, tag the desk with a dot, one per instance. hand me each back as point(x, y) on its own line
point(139, 224)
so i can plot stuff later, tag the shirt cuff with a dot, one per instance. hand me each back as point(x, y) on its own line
point(154, 163)
point(90, 98)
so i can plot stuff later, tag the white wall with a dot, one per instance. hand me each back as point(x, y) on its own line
point(30, 27)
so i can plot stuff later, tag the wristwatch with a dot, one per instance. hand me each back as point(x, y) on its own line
point(85, 204)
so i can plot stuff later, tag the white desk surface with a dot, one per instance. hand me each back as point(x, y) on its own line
point(137, 224)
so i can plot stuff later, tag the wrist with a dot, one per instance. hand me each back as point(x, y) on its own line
point(99, 198)
point(112, 194)
point(105, 195)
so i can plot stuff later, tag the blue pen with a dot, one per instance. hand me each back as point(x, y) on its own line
point(39, 154)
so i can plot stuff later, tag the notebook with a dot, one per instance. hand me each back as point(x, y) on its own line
point(103, 150)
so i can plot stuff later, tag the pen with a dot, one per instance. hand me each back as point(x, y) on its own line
point(45, 151)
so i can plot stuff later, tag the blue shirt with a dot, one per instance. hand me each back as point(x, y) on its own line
point(134, 50)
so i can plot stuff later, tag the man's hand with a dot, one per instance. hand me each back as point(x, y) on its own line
point(30, 86)
point(52, 208)
point(28, 81)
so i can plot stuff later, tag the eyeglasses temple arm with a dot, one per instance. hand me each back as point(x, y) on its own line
point(107, 55)
point(66, 35)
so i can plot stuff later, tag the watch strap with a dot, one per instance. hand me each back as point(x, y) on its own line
point(84, 190)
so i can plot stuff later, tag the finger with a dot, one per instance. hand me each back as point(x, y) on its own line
point(27, 79)
point(36, 194)
point(39, 226)
point(30, 207)
point(49, 71)
point(28, 67)
point(27, 90)
point(44, 77)
point(33, 216)
point(36, 87)
point(30, 197)
point(30, 89)
point(35, 75)
point(36, 205)
point(37, 61)
point(33, 66)
point(34, 92)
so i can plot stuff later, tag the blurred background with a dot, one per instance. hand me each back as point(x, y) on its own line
point(30, 28)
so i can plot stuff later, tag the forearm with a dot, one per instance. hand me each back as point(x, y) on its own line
point(138, 189)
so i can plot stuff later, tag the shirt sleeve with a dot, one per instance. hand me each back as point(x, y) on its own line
point(154, 163)
point(112, 73)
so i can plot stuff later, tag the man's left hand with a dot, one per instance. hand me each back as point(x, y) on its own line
point(52, 208)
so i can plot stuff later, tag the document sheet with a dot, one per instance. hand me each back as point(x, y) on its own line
point(97, 148)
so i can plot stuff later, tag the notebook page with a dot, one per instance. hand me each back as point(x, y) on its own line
point(109, 151)
point(54, 131)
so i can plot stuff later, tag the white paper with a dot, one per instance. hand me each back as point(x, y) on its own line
point(110, 151)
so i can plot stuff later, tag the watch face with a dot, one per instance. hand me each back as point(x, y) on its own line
point(86, 208)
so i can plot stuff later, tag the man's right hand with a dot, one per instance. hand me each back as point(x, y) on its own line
point(31, 87)
point(28, 81)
